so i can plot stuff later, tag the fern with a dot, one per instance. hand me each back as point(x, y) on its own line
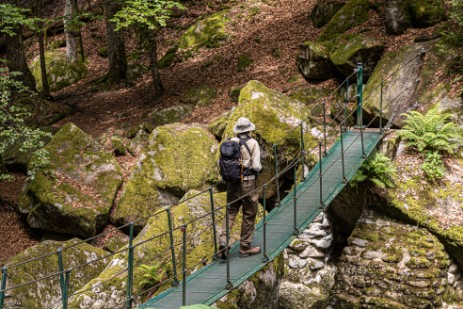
point(378, 169)
point(433, 131)
point(433, 167)
point(153, 274)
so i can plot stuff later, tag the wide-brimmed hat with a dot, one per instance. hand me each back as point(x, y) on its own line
point(243, 125)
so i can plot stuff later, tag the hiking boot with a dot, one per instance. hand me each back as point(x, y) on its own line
point(244, 252)
point(222, 253)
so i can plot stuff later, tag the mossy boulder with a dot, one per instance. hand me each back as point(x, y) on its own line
point(218, 125)
point(276, 117)
point(77, 187)
point(309, 94)
point(202, 95)
point(397, 16)
point(324, 10)
point(353, 13)
point(152, 244)
point(388, 264)
point(427, 13)
point(46, 293)
point(352, 50)
point(170, 114)
point(207, 32)
point(60, 73)
point(314, 61)
point(176, 159)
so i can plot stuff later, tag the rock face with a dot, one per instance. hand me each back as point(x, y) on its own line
point(390, 265)
point(354, 13)
point(309, 274)
point(78, 186)
point(60, 73)
point(46, 293)
point(177, 158)
point(325, 10)
point(314, 61)
point(359, 48)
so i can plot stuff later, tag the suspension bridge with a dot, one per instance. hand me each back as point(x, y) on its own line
point(340, 154)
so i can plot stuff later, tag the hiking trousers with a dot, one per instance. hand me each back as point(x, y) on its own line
point(249, 206)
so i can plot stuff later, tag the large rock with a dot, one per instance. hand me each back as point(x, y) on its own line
point(60, 73)
point(276, 117)
point(388, 264)
point(352, 50)
point(154, 249)
point(47, 293)
point(354, 13)
point(397, 16)
point(74, 193)
point(314, 61)
point(427, 13)
point(177, 158)
point(324, 10)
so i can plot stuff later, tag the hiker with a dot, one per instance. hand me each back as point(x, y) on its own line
point(250, 160)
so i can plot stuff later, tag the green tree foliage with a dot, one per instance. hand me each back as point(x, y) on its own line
point(433, 131)
point(433, 167)
point(378, 169)
point(13, 124)
point(150, 14)
point(12, 17)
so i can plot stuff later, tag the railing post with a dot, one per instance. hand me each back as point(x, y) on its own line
point(359, 94)
point(324, 126)
point(66, 289)
point(381, 109)
point(229, 284)
point(3, 286)
point(183, 229)
point(296, 230)
point(363, 145)
point(322, 204)
point(214, 232)
point(62, 281)
point(265, 258)
point(277, 176)
point(344, 179)
point(130, 268)
point(302, 151)
point(172, 247)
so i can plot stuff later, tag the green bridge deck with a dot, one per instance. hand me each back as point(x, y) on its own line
point(209, 283)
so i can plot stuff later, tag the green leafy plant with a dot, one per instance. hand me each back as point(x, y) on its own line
point(433, 131)
point(433, 167)
point(454, 35)
point(153, 274)
point(378, 169)
point(14, 127)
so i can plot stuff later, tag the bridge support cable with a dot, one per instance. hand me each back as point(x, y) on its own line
point(324, 127)
point(320, 175)
point(302, 151)
point(296, 229)
point(359, 71)
point(343, 165)
point(277, 176)
point(265, 259)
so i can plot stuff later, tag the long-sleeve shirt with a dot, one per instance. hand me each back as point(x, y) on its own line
point(250, 160)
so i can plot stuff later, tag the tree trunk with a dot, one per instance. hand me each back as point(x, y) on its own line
point(43, 70)
point(153, 55)
point(70, 32)
point(116, 46)
point(17, 60)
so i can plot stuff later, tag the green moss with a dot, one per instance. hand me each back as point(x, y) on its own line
point(202, 95)
point(244, 62)
point(354, 13)
point(171, 114)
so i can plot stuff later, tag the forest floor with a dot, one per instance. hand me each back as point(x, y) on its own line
point(278, 25)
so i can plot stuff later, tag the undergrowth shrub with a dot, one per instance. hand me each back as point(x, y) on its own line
point(378, 169)
point(433, 166)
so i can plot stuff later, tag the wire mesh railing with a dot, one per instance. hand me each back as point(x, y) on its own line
point(178, 247)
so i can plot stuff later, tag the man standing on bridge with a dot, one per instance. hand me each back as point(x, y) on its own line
point(250, 160)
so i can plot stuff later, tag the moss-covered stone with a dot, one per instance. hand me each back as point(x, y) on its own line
point(390, 265)
point(234, 92)
point(324, 10)
point(426, 13)
point(208, 32)
point(218, 125)
point(353, 13)
point(359, 48)
point(166, 115)
point(78, 186)
point(155, 247)
point(202, 95)
point(309, 95)
point(244, 61)
point(314, 61)
point(46, 293)
point(177, 158)
point(118, 146)
point(60, 73)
